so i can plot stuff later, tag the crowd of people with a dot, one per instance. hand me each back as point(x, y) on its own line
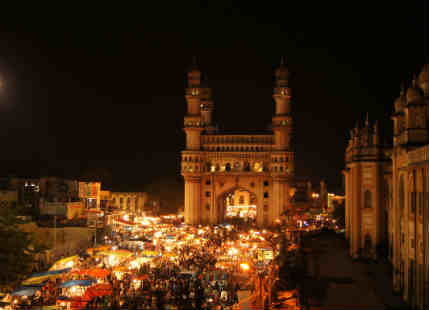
point(185, 272)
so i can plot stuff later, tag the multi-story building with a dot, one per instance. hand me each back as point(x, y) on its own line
point(387, 201)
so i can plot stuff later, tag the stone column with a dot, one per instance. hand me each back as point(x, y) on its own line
point(260, 202)
point(347, 203)
point(279, 198)
point(192, 199)
point(395, 227)
point(356, 222)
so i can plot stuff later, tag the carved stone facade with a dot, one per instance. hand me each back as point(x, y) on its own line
point(396, 212)
point(215, 164)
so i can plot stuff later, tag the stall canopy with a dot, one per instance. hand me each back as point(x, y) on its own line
point(95, 272)
point(67, 262)
point(25, 291)
point(120, 253)
point(98, 249)
point(101, 289)
point(150, 254)
point(76, 283)
point(38, 278)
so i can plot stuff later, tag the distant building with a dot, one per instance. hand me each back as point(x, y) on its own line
point(128, 201)
point(56, 189)
point(89, 193)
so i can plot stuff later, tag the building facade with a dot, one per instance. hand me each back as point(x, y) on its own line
point(387, 193)
point(215, 164)
point(128, 201)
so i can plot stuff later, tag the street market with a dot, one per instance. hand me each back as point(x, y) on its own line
point(151, 263)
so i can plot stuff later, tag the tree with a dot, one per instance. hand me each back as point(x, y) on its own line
point(17, 250)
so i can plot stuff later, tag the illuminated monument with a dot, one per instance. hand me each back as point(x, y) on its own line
point(216, 164)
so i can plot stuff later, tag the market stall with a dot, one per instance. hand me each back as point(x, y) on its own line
point(68, 262)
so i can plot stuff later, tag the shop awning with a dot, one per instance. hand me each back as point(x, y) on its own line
point(25, 291)
point(76, 283)
point(101, 289)
point(38, 278)
point(94, 272)
point(65, 262)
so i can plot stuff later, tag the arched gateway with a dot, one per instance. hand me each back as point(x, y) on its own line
point(215, 164)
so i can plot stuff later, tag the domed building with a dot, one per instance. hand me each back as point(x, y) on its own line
point(387, 193)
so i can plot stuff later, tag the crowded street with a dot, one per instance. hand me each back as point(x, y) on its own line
point(157, 263)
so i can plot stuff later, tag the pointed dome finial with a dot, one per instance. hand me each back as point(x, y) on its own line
point(367, 120)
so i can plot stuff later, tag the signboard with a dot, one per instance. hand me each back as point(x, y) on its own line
point(89, 189)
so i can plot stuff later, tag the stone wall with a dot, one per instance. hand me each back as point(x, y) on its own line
point(70, 240)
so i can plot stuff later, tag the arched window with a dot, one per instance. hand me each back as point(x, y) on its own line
point(228, 167)
point(367, 200)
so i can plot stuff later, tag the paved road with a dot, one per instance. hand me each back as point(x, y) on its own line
point(337, 282)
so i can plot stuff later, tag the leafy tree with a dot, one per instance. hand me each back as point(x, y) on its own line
point(17, 250)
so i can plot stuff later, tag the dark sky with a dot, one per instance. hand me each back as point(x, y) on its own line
point(103, 87)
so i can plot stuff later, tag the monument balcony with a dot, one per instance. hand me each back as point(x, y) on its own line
point(235, 139)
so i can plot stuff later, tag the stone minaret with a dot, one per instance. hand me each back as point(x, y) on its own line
point(282, 119)
point(207, 107)
point(191, 159)
point(282, 159)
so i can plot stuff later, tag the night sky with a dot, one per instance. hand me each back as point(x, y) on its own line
point(103, 88)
